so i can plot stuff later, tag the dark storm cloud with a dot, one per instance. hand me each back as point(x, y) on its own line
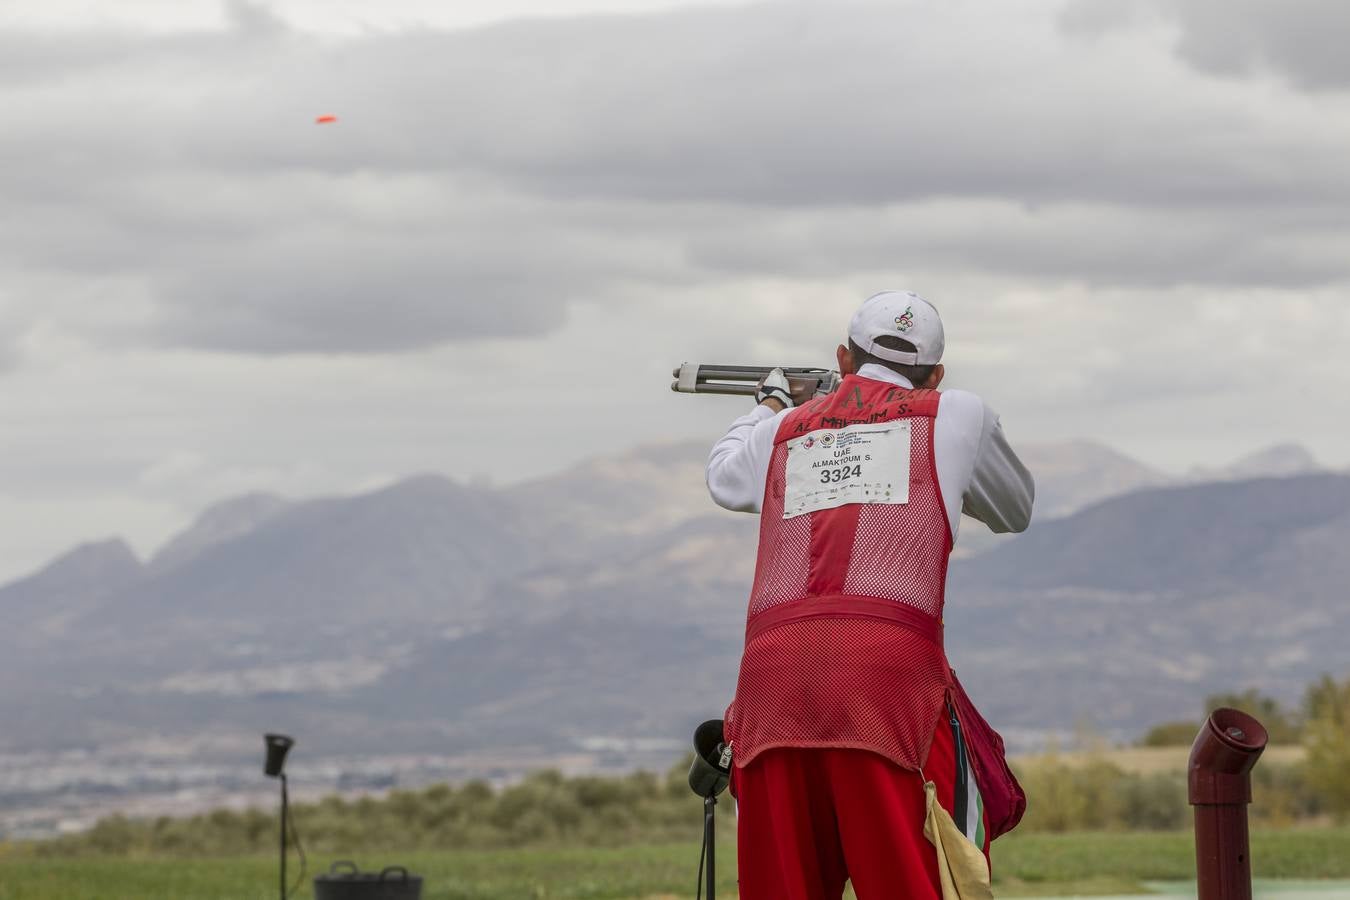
point(1301, 40)
point(478, 182)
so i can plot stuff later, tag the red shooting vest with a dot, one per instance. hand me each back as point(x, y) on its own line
point(843, 644)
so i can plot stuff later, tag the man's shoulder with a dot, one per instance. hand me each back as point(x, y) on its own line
point(961, 405)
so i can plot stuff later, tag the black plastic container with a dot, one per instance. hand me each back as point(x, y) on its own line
point(345, 881)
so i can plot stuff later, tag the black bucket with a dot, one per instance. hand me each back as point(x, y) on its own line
point(345, 881)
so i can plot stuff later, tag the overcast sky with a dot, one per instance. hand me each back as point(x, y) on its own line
point(1133, 216)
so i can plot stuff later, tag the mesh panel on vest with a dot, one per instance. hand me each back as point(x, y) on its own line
point(784, 544)
point(900, 552)
point(839, 682)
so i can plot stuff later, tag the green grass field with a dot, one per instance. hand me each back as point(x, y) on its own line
point(1031, 865)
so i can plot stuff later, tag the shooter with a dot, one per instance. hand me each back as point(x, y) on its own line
point(857, 755)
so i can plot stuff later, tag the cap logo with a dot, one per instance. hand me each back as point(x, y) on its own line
point(906, 321)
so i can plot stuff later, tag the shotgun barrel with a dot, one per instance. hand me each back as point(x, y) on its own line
point(692, 378)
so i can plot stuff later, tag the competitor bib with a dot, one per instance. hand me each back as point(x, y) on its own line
point(857, 464)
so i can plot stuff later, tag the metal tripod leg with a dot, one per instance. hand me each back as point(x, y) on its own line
point(710, 842)
point(285, 813)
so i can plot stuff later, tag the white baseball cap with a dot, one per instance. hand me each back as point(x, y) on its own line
point(902, 314)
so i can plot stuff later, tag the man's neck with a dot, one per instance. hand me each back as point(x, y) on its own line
point(881, 373)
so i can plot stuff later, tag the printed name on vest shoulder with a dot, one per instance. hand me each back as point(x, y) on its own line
point(854, 407)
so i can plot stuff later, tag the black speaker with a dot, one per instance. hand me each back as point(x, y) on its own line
point(711, 771)
point(278, 745)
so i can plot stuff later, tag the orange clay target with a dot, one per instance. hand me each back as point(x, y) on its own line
point(325, 120)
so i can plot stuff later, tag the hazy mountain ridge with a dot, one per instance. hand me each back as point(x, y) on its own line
point(640, 492)
point(1278, 461)
point(1133, 609)
point(611, 596)
point(221, 522)
point(68, 586)
point(322, 562)
point(1075, 474)
point(1216, 533)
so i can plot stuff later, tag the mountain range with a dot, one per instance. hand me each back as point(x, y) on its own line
point(603, 606)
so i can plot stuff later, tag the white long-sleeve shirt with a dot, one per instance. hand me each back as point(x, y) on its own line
point(977, 471)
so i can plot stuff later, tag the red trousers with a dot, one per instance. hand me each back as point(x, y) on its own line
point(809, 820)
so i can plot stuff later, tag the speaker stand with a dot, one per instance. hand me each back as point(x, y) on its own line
point(285, 813)
point(710, 843)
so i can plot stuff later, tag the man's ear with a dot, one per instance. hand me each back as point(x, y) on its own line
point(935, 378)
point(844, 359)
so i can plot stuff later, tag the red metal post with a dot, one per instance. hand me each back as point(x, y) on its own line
point(1220, 787)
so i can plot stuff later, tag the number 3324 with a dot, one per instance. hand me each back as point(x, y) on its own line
point(843, 473)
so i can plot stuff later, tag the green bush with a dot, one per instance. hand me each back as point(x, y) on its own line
point(1154, 802)
point(1328, 741)
point(1063, 797)
point(545, 809)
point(1096, 795)
point(1171, 734)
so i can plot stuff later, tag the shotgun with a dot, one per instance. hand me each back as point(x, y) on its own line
point(691, 378)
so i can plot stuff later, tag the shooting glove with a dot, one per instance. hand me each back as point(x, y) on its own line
point(775, 385)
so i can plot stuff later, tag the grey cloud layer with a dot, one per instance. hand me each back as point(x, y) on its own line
point(479, 182)
point(1302, 40)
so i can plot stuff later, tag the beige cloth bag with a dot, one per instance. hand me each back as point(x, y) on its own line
point(961, 865)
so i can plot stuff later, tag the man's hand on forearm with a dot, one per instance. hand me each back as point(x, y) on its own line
point(778, 392)
point(775, 391)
